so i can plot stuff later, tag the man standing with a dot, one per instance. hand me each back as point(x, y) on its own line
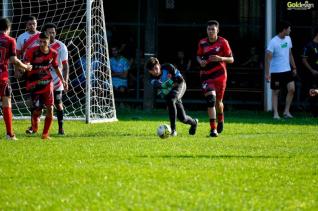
point(8, 53)
point(60, 47)
point(39, 82)
point(213, 53)
point(310, 61)
point(278, 62)
point(28, 39)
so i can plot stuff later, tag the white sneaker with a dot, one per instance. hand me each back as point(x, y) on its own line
point(11, 138)
point(173, 133)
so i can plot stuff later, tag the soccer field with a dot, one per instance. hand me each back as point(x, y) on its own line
point(255, 164)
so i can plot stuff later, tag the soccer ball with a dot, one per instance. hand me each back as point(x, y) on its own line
point(164, 131)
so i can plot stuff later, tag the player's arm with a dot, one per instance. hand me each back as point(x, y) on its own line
point(268, 59)
point(17, 63)
point(66, 70)
point(292, 62)
point(226, 59)
point(59, 74)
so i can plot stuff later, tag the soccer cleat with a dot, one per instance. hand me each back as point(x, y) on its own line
point(29, 131)
point(214, 133)
point(219, 128)
point(46, 137)
point(173, 133)
point(11, 138)
point(61, 131)
point(193, 128)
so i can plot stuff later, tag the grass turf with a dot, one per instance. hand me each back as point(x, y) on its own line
point(256, 163)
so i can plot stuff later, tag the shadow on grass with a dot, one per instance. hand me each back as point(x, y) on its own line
point(239, 116)
point(220, 156)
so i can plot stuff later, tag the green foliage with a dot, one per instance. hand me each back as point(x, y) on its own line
point(255, 164)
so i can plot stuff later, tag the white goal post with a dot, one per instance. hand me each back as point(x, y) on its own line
point(81, 27)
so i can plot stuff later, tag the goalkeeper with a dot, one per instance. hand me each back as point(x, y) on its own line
point(171, 86)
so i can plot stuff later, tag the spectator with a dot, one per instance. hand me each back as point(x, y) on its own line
point(182, 62)
point(119, 66)
point(253, 59)
point(309, 59)
point(278, 62)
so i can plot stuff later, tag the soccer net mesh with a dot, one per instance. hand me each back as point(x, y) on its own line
point(82, 28)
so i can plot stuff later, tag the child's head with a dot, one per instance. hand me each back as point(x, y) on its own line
point(153, 66)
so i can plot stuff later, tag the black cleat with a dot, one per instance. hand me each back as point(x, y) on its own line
point(61, 132)
point(193, 128)
point(214, 133)
point(29, 131)
point(219, 128)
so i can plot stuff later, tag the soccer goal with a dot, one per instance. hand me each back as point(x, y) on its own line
point(81, 26)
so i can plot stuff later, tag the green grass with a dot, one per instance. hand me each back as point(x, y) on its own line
point(256, 164)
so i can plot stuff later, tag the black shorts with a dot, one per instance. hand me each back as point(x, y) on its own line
point(280, 80)
point(58, 97)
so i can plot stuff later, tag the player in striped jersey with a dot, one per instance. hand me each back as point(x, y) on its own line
point(212, 54)
point(40, 83)
point(28, 39)
point(8, 53)
point(60, 47)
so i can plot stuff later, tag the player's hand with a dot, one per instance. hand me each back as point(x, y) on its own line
point(216, 58)
point(65, 86)
point(28, 67)
point(203, 63)
point(313, 92)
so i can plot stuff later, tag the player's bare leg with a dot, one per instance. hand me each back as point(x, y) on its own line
point(289, 99)
point(48, 122)
point(7, 117)
point(275, 104)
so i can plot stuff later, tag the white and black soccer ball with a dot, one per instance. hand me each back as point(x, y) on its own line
point(164, 131)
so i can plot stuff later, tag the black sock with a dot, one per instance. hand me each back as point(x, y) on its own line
point(60, 115)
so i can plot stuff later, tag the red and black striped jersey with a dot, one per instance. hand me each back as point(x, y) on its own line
point(39, 77)
point(7, 49)
point(213, 70)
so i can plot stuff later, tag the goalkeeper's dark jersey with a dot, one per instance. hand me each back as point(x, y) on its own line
point(170, 79)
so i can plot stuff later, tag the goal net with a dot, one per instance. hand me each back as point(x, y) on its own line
point(81, 26)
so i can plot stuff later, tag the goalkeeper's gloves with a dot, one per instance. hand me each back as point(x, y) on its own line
point(167, 84)
point(157, 84)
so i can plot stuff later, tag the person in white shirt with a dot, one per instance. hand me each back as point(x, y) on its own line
point(26, 40)
point(60, 47)
point(280, 68)
point(29, 38)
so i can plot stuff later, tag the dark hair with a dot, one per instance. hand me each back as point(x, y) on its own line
point(283, 25)
point(213, 22)
point(43, 35)
point(151, 62)
point(5, 24)
point(30, 18)
point(49, 26)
